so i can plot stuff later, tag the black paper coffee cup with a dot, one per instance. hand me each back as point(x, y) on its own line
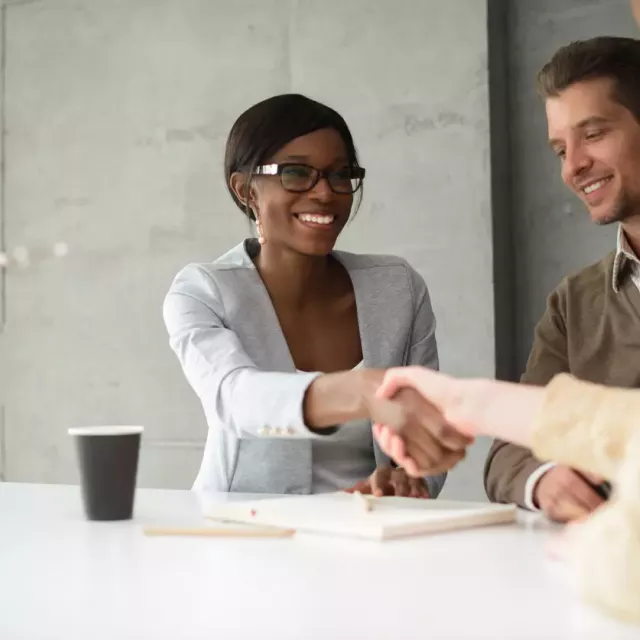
point(108, 459)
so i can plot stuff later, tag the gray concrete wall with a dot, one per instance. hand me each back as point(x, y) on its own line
point(3, 274)
point(552, 233)
point(116, 114)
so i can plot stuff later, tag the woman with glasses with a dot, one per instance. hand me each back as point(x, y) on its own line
point(284, 339)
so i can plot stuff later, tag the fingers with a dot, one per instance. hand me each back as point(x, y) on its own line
point(400, 483)
point(434, 467)
point(424, 442)
point(426, 451)
point(383, 435)
point(417, 459)
point(564, 495)
point(450, 438)
point(565, 510)
point(440, 430)
point(582, 495)
point(391, 384)
point(412, 469)
point(393, 446)
point(593, 478)
point(383, 411)
point(379, 482)
point(363, 487)
point(432, 385)
point(418, 488)
point(426, 457)
point(396, 482)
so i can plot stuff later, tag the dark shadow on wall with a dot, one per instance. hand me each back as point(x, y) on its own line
point(501, 196)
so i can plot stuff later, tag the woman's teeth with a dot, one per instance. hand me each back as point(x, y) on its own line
point(315, 218)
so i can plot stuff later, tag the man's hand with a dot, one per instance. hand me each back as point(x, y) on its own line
point(564, 495)
point(388, 481)
point(425, 443)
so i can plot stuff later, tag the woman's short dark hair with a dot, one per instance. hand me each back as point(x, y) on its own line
point(269, 125)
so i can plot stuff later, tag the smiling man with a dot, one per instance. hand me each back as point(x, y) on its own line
point(591, 327)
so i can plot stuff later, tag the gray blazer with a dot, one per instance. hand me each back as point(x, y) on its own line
point(224, 330)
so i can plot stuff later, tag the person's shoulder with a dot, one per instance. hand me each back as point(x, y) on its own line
point(235, 258)
point(592, 280)
point(390, 271)
point(204, 277)
point(583, 291)
point(357, 261)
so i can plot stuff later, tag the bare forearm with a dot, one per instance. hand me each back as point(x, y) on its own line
point(333, 399)
point(508, 411)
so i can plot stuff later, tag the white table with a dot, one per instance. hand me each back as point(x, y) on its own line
point(65, 578)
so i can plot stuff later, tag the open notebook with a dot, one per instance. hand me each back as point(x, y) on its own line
point(345, 514)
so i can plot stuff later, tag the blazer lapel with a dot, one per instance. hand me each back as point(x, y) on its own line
point(373, 336)
point(263, 339)
point(273, 345)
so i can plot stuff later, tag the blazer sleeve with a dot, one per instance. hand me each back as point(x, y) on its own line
point(227, 382)
point(423, 349)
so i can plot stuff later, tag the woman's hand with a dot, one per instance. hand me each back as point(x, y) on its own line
point(388, 481)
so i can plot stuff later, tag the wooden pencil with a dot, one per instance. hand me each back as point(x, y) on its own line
point(367, 501)
point(222, 532)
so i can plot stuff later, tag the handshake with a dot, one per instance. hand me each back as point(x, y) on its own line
point(425, 420)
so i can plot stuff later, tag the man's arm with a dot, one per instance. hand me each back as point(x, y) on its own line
point(511, 471)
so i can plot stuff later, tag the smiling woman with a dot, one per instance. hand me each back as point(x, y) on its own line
point(284, 339)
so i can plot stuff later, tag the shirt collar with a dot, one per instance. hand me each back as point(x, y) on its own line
point(624, 256)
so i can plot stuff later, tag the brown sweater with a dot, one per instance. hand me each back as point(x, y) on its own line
point(589, 330)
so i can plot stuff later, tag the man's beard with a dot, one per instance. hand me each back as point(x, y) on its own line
point(622, 209)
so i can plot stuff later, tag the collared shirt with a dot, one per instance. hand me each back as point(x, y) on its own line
point(626, 263)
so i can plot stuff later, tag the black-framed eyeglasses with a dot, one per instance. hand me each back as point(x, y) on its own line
point(299, 178)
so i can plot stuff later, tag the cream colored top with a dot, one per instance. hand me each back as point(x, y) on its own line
point(597, 429)
point(586, 426)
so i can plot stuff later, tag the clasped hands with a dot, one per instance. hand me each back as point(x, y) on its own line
point(423, 436)
point(412, 430)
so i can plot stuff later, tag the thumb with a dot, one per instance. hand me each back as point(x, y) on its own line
point(379, 482)
point(392, 382)
point(433, 386)
point(398, 378)
point(593, 478)
point(387, 412)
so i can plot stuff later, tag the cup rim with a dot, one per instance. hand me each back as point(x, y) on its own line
point(106, 430)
